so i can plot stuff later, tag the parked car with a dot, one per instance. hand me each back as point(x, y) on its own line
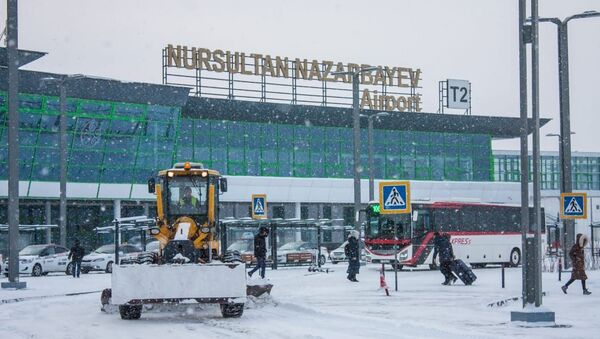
point(40, 260)
point(339, 255)
point(103, 257)
point(298, 252)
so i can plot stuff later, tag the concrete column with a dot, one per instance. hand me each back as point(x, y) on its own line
point(117, 214)
point(48, 222)
point(297, 215)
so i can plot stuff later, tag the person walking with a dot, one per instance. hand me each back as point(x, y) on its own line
point(578, 260)
point(260, 251)
point(353, 254)
point(76, 255)
point(443, 247)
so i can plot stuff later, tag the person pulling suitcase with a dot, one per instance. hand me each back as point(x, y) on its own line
point(443, 247)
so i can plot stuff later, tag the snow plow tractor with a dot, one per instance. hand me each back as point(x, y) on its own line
point(189, 268)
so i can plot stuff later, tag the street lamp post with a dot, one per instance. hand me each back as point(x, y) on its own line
point(561, 188)
point(12, 51)
point(371, 165)
point(565, 115)
point(356, 131)
point(62, 85)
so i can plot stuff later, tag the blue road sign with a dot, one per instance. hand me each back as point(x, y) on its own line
point(259, 206)
point(394, 197)
point(574, 205)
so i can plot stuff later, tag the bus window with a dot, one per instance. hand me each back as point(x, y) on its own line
point(447, 219)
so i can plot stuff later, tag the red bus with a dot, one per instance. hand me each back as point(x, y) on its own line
point(481, 234)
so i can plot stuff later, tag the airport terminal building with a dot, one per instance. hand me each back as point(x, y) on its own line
point(296, 150)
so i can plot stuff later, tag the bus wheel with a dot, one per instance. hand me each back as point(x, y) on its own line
point(515, 257)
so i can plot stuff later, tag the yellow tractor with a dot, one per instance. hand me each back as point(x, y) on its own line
point(190, 266)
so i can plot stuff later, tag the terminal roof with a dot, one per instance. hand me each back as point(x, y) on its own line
point(25, 56)
point(95, 88)
point(223, 109)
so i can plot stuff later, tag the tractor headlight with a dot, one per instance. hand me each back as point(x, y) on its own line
point(154, 231)
point(205, 230)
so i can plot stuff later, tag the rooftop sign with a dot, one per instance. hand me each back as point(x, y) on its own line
point(287, 71)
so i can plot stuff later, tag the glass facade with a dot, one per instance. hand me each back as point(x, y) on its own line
point(585, 170)
point(107, 141)
point(113, 142)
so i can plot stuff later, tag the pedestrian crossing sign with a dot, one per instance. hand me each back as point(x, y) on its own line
point(259, 206)
point(394, 197)
point(574, 205)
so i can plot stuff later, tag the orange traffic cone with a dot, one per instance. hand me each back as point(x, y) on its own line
point(382, 283)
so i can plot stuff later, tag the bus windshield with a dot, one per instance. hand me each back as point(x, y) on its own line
point(187, 195)
point(381, 226)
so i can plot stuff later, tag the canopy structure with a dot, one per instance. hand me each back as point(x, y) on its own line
point(36, 227)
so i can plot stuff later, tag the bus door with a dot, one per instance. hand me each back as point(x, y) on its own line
point(421, 226)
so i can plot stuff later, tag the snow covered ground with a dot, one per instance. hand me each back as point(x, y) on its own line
point(310, 305)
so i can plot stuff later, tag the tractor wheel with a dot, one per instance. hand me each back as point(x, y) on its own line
point(130, 312)
point(105, 296)
point(232, 310)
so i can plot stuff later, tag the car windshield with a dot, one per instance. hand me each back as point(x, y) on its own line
point(241, 246)
point(32, 250)
point(187, 195)
point(106, 249)
point(292, 246)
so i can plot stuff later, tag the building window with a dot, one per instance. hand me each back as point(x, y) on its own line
point(326, 212)
point(303, 212)
point(279, 212)
point(349, 215)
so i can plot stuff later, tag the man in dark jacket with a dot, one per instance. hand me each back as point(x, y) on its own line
point(260, 251)
point(76, 255)
point(443, 247)
point(352, 253)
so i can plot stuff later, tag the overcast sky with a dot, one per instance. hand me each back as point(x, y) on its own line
point(461, 39)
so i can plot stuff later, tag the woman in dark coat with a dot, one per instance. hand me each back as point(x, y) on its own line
point(352, 253)
point(577, 258)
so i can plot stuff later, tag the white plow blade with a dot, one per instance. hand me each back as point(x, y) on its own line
point(131, 282)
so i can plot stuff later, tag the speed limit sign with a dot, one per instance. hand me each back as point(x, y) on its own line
point(459, 94)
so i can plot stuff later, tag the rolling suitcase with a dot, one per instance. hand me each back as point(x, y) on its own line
point(463, 272)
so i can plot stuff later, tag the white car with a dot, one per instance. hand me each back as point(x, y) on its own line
point(40, 260)
point(339, 255)
point(299, 252)
point(103, 258)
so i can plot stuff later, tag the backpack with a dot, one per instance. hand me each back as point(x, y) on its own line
point(347, 250)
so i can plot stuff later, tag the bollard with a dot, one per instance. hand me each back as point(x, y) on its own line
point(559, 268)
point(503, 265)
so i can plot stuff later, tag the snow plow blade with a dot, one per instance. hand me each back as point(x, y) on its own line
point(211, 283)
